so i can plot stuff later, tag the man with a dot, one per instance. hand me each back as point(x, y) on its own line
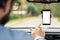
point(7, 34)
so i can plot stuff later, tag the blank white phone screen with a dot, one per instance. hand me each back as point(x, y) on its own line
point(46, 17)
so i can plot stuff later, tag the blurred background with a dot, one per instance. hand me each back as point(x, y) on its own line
point(25, 14)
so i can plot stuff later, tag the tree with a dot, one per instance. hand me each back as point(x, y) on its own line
point(57, 12)
point(33, 10)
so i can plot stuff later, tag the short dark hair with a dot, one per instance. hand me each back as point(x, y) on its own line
point(3, 3)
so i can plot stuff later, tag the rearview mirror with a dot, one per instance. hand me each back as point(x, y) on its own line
point(44, 1)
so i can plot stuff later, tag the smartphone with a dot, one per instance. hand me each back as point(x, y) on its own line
point(46, 17)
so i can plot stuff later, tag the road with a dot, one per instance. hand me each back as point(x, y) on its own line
point(33, 22)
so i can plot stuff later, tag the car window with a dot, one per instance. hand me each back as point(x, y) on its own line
point(25, 14)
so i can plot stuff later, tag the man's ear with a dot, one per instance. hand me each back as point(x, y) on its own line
point(7, 6)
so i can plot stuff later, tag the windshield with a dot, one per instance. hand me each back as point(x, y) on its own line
point(29, 14)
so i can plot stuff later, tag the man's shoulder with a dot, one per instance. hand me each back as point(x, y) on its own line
point(16, 32)
point(19, 34)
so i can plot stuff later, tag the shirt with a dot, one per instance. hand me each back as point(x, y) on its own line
point(7, 34)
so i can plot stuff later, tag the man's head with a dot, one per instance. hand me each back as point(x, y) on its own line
point(5, 9)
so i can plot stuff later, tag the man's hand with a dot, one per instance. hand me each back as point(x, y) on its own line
point(38, 32)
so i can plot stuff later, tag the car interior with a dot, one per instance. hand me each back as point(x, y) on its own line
point(27, 14)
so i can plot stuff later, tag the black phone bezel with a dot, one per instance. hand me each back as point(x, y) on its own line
point(42, 16)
